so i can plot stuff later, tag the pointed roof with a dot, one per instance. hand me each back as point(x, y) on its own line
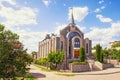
point(72, 17)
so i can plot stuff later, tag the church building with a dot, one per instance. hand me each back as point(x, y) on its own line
point(70, 39)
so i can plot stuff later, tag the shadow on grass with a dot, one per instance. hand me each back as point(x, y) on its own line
point(38, 75)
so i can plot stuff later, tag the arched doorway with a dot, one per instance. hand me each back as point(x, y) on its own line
point(71, 44)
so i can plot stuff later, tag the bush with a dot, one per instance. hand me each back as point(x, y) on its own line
point(41, 61)
point(82, 54)
point(99, 53)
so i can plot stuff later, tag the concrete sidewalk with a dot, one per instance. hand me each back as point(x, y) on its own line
point(102, 72)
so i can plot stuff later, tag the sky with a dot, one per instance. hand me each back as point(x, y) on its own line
point(99, 20)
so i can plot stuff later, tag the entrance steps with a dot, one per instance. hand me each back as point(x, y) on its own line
point(92, 65)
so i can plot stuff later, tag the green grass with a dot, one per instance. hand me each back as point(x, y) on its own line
point(45, 68)
point(42, 67)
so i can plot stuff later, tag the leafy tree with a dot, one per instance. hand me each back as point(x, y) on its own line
point(101, 57)
point(94, 48)
point(117, 44)
point(82, 54)
point(55, 58)
point(114, 53)
point(13, 59)
point(111, 54)
point(34, 54)
point(105, 53)
point(119, 55)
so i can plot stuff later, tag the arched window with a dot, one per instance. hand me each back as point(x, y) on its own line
point(73, 34)
point(76, 43)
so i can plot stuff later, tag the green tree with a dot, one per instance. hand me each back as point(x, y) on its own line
point(99, 53)
point(114, 53)
point(82, 54)
point(34, 54)
point(101, 57)
point(119, 55)
point(13, 59)
point(116, 44)
point(56, 58)
point(105, 53)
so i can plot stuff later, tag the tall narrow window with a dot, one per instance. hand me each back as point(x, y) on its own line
point(86, 47)
point(61, 45)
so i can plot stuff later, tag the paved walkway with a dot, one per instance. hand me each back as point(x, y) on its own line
point(108, 74)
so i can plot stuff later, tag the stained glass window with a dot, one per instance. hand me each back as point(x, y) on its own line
point(76, 43)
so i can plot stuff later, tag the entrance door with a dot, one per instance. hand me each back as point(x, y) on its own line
point(76, 53)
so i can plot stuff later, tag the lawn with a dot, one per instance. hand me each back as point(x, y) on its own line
point(45, 68)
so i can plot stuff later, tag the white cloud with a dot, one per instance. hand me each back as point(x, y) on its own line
point(101, 1)
point(13, 17)
point(102, 7)
point(97, 10)
point(22, 16)
point(103, 19)
point(104, 35)
point(59, 27)
point(46, 2)
point(79, 13)
point(82, 28)
point(31, 39)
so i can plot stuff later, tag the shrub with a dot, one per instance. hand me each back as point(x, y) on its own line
point(82, 54)
point(99, 53)
point(41, 61)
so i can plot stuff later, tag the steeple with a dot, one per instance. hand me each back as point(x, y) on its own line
point(72, 17)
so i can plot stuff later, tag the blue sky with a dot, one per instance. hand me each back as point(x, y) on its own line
point(33, 19)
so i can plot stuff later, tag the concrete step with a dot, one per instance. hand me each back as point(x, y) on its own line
point(95, 68)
